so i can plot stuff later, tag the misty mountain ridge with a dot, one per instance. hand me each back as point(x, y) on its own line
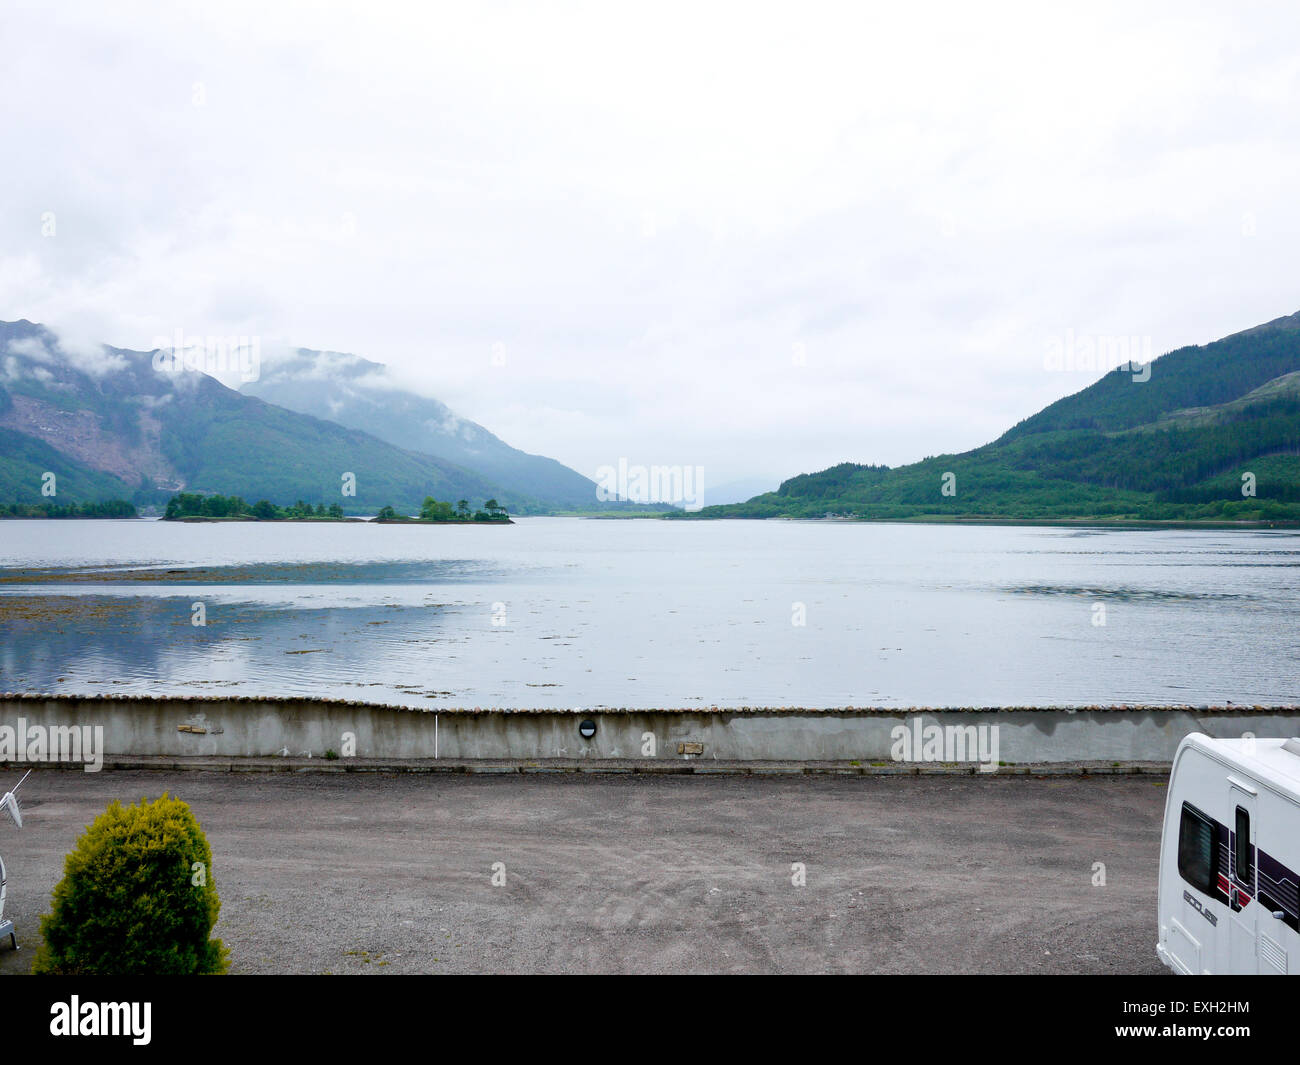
point(361, 394)
point(113, 425)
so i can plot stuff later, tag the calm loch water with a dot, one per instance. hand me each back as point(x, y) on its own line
point(584, 613)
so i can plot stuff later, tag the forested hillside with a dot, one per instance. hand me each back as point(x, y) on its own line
point(1211, 432)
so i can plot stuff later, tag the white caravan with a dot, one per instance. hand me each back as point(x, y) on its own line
point(1229, 893)
point(9, 804)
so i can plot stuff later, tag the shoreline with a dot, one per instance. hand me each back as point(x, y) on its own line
point(243, 519)
point(201, 699)
point(1190, 524)
point(1103, 523)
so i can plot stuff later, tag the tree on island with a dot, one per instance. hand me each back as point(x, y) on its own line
point(432, 510)
point(198, 505)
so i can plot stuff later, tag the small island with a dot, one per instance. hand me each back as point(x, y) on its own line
point(195, 506)
point(433, 512)
point(198, 507)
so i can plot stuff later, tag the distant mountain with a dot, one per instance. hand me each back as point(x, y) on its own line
point(1204, 432)
point(735, 491)
point(111, 424)
point(358, 393)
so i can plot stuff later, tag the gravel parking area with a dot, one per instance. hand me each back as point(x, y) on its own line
point(371, 873)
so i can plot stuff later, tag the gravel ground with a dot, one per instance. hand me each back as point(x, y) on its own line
point(368, 873)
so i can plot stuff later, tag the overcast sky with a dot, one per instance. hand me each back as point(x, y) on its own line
point(758, 239)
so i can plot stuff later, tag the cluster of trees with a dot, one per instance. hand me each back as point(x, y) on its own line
point(196, 505)
point(1166, 461)
point(1172, 446)
point(1013, 482)
point(434, 510)
point(113, 508)
point(1187, 378)
point(1187, 468)
point(199, 505)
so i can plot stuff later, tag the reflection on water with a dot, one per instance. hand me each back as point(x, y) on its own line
point(572, 613)
point(127, 643)
point(433, 571)
point(1125, 595)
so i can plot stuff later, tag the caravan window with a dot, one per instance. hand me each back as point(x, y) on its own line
point(1244, 871)
point(1197, 855)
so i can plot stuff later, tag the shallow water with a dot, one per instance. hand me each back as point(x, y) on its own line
point(571, 613)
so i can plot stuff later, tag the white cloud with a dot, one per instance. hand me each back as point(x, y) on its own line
point(83, 352)
point(31, 348)
point(90, 358)
point(602, 230)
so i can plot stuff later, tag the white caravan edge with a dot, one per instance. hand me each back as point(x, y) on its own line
point(1229, 899)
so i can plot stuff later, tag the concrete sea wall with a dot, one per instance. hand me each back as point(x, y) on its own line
point(244, 727)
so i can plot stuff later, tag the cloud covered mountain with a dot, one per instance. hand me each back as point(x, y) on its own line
point(112, 423)
point(363, 395)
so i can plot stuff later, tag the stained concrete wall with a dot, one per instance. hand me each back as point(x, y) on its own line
point(253, 727)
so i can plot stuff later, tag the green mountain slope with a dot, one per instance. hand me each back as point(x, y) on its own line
point(123, 428)
point(1181, 444)
point(24, 462)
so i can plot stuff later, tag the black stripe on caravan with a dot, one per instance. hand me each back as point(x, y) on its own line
point(1279, 887)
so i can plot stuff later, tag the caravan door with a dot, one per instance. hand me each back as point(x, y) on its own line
point(1243, 918)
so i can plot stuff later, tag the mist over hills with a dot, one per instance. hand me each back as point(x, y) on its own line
point(360, 394)
point(111, 424)
point(1204, 432)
